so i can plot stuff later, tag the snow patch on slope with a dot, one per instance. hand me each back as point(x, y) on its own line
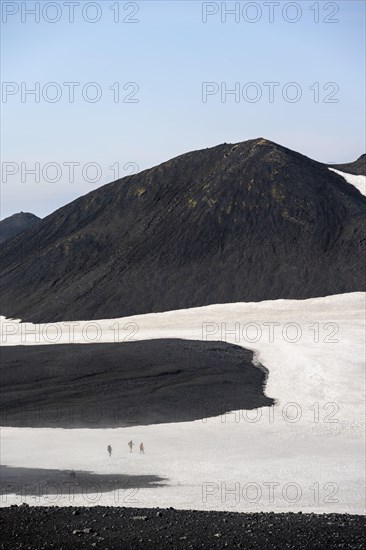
point(357, 181)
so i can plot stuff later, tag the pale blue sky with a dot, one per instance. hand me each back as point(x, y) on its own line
point(169, 53)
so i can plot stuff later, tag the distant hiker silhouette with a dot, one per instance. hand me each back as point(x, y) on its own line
point(109, 449)
point(130, 444)
point(142, 449)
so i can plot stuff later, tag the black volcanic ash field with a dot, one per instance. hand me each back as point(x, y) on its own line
point(124, 384)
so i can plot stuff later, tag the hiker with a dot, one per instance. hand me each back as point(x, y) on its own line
point(130, 444)
point(109, 449)
point(142, 449)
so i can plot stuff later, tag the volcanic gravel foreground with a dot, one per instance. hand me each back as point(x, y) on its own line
point(132, 528)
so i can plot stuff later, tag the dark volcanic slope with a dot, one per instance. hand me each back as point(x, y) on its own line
point(15, 224)
point(358, 167)
point(244, 222)
point(134, 528)
point(111, 385)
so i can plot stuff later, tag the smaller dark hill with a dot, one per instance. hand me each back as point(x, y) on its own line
point(357, 168)
point(15, 224)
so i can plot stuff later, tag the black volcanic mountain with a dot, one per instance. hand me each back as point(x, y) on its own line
point(246, 222)
point(11, 226)
point(357, 168)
